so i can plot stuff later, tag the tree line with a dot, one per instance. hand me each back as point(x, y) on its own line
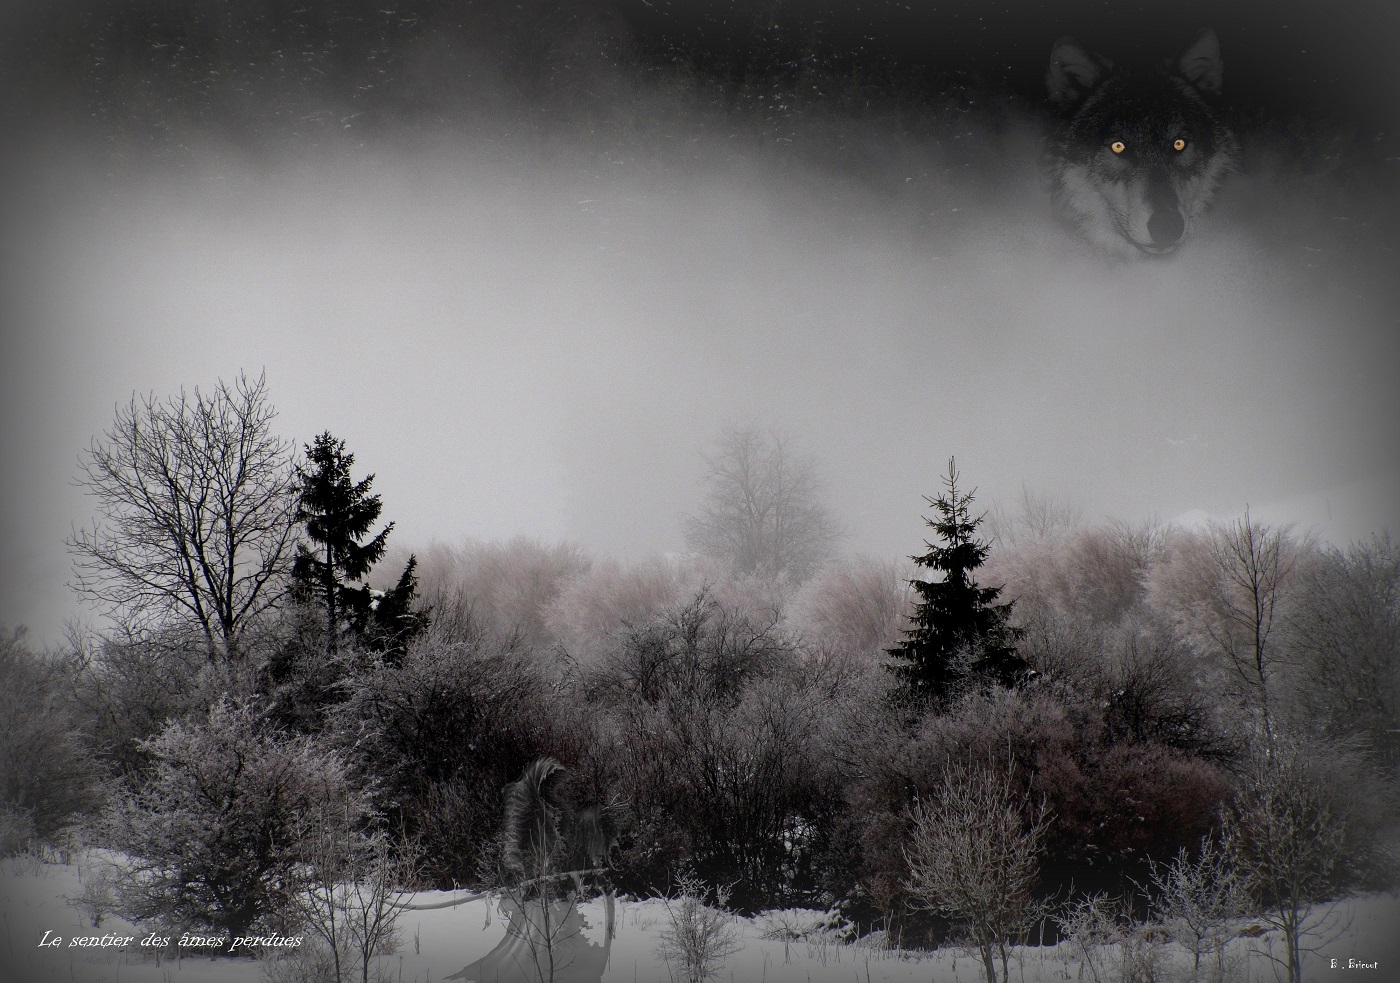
point(1044, 726)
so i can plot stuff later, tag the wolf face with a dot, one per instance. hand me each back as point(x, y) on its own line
point(1131, 160)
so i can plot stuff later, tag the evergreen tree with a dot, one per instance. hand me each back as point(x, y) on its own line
point(338, 514)
point(959, 633)
point(392, 622)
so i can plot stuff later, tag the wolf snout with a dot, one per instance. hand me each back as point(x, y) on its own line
point(1166, 227)
point(1166, 223)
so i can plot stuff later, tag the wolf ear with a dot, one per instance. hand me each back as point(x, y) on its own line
point(1072, 72)
point(1201, 65)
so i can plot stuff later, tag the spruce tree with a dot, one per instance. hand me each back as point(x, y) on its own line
point(338, 514)
point(392, 620)
point(959, 635)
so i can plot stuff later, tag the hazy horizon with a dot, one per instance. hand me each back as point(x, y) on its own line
point(530, 320)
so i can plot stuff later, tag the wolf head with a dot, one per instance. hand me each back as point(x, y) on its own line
point(1132, 159)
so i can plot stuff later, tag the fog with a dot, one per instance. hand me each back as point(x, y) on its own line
point(535, 316)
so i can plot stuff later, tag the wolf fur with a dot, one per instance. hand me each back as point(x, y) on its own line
point(1133, 159)
point(545, 834)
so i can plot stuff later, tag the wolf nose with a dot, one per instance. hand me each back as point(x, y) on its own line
point(1166, 226)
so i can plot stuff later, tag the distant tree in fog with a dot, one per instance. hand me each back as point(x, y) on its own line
point(854, 606)
point(196, 507)
point(1346, 630)
point(959, 632)
point(763, 514)
point(508, 586)
point(1033, 519)
point(1228, 591)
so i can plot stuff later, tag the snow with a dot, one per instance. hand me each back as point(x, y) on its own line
point(437, 945)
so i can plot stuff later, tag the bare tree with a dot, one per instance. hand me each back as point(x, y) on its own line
point(196, 506)
point(1229, 590)
point(973, 857)
point(1348, 637)
point(1289, 836)
point(348, 898)
point(1032, 519)
point(1195, 898)
point(763, 514)
point(1256, 565)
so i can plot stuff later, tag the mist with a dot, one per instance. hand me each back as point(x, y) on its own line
point(530, 292)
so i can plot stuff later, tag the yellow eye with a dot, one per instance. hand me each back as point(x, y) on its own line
point(1178, 144)
point(1118, 146)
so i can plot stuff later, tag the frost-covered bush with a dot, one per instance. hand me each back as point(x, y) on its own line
point(594, 614)
point(854, 607)
point(1308, 823)
point(348, 900)
point(508, 586)
point(1111, 947)
point(131, 685)
point(697, 938)
point(714, 721)
point(1113, 806)
point(46, 769)
point(704, 646)
point(1195, 898)
point(218, 834)
point(16, 832)
point(446, 731)
point(973, 857)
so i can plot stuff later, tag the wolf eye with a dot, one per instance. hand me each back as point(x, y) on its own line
point(1179, 144)
point(1118, 146)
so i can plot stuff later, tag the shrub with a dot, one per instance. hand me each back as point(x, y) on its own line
point(1110, 945)
point(347, 900)
point(697, 938)
point(1195, 898)
point(855, 607)
point(1146, 802)
point(1303, 829)
point(46, 767)
point(445, 732)
point(131, 686)
point(218, 835)
point(591, 616)
point(728, 788)
point(1113, 806)
point(712, 718)
point(973, 855)
point(1348, 638)
point(16, 832)
point(509, 586)
point(703, 646)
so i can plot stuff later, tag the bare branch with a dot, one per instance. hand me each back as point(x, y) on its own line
point(763, 513)
point(195, 512)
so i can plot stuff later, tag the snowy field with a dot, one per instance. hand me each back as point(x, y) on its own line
point(439, 944)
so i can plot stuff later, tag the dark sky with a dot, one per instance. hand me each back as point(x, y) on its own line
point(530, 259)
point(1306, 56)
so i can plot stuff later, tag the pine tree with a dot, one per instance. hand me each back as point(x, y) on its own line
point(338, 514)
point(959, 634)
point(392, 621)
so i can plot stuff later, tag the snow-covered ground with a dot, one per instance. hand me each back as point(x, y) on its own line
point(438, 944)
